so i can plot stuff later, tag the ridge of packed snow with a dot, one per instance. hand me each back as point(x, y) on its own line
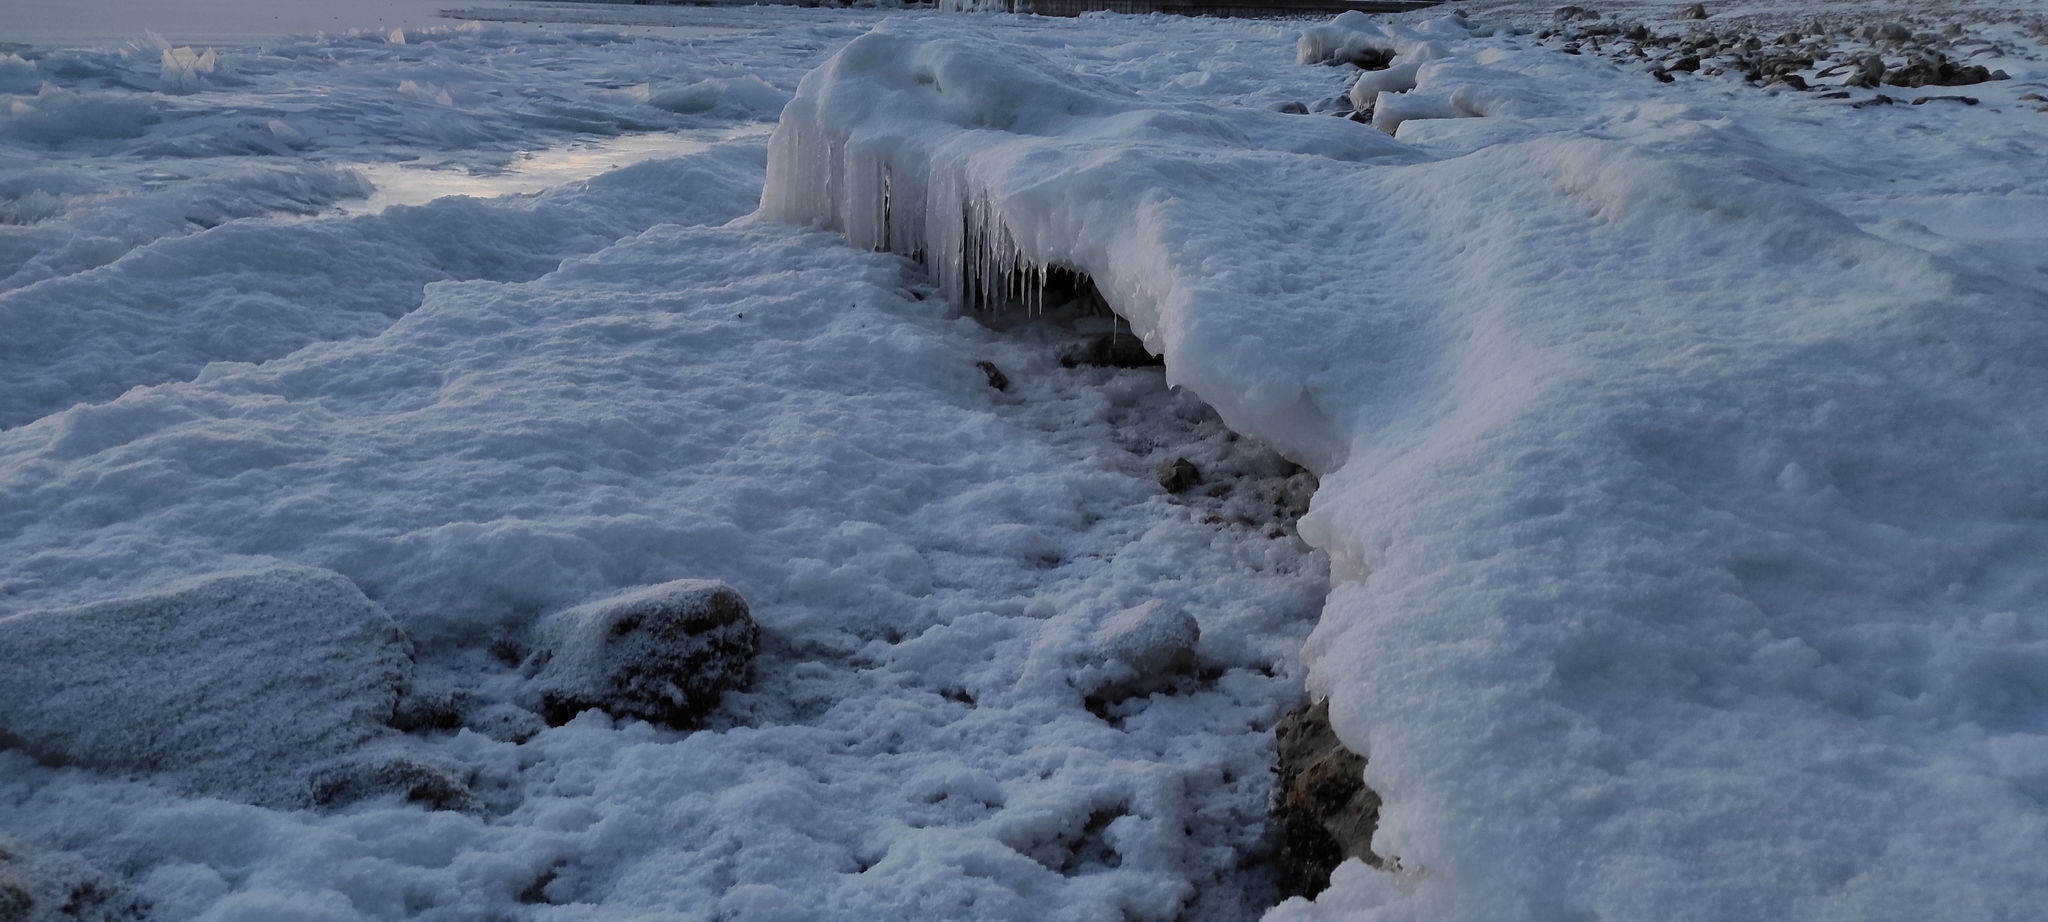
point(1677, 519)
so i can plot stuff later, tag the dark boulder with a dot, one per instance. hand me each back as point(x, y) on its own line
point(1178, 475)
point(1325, 811)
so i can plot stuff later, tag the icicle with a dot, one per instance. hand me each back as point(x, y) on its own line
point(888, 195)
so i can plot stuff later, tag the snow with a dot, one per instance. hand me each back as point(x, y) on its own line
point(1681, 496)
point(1676, 553)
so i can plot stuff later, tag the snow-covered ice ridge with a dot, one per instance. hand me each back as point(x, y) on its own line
point(1679, 448)
point(1684, 485)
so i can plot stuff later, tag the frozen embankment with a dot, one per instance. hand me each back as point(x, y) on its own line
point(1688, 538)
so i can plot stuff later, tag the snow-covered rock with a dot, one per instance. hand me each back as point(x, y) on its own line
point(1138, 651)
point(662, 654)
point(251, 683)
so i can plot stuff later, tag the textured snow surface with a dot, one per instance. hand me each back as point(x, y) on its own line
point(243, 684)
point(1681, 452)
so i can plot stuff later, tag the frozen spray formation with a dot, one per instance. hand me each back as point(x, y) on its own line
point(1688, 536)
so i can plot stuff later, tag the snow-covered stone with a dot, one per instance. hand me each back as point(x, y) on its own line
point(240, 685)
point(663, 654)
point(1138, 651)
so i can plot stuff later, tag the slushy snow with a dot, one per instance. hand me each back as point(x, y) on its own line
point(1680, 449)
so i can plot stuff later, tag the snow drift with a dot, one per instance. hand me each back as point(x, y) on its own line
point(1688, 538)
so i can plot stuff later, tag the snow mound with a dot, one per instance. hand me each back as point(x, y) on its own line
point(256, 682)
point(1687, 536)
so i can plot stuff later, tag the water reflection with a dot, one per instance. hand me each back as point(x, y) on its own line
point(414, 184)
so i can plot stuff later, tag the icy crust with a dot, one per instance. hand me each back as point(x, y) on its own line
point(1688, 536)
point(255, 683)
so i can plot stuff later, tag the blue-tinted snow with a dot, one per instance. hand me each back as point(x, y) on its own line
point(1681, 451)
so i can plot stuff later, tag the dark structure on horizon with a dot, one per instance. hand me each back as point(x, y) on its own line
point(1247, 8)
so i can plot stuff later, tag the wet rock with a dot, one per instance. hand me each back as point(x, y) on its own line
point(1884, 32)
point(1574, 14)
point(1331, 105)
point(1110, 350)
point(1695, 11)
point(1965, 100)
point(663, 654)
point(1325, 811)
point(1139, 651)
point(996, 378)
point(1367, 57)
point(1178, 475)
point(1291, 107)
point(1937, 71)
point(1869, 72)
point(238, 686)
